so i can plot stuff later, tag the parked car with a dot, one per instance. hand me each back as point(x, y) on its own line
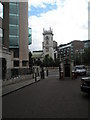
point(85, 84)
point(80, 70)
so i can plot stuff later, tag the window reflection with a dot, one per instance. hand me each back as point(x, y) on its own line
point(1, 10)
point(0, 32)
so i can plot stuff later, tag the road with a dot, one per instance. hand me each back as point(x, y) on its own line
point(48, 98)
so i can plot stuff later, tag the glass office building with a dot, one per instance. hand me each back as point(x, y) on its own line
point(30, 35)
point(1, 30)
point(18, 33)
point(14, 25)
point(15, 32)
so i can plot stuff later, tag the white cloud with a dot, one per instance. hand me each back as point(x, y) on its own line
point(40, 3)
point(69, 22)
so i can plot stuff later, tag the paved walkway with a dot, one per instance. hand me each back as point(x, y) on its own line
point(8, 86)
point(16, 83)
point(48, 98)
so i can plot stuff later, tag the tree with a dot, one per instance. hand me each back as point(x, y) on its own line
point(48, 61)
point(57, 62)
point(38, 62)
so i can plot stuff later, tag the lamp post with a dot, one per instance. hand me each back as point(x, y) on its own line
point(60, 68)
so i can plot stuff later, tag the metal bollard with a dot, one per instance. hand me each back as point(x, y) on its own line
point(73, 75)
point(62, 76)
point(35, 77)
point(47, 72)
point(59, 74)
point(43, 74)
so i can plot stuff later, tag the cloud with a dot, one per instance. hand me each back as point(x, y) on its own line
point(69, 21)
point(40, 3)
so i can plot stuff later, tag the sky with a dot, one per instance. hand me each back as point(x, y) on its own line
point(67, 18)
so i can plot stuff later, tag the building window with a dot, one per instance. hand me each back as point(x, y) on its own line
point(1, 36)
point(14, 25)
point(24, 63)
point(30, 35)
point(1, 10)
point(1, 33)
point(16, 53)
point(16, 63)
point(65, 51)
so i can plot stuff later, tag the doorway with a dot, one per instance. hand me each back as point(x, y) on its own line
point(67, 70)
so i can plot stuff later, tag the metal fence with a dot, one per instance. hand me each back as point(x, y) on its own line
point(21, 71)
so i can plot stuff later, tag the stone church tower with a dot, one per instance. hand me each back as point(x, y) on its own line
point(48, 43)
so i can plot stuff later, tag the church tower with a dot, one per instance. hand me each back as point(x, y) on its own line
point(48, 43)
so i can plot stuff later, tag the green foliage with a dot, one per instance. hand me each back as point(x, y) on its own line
point(57, 62)
point(49, 62)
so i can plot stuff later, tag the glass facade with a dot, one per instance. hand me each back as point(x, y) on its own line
point(14, 25)
point(30, 35)
point(1, 10)
point(1, 36)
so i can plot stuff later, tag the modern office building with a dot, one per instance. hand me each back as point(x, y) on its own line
point(5, 55)
point(86, 43)
point(18, 34)
point(68, 55)
point(14, 31)
point(30, 35)
point(67, 51)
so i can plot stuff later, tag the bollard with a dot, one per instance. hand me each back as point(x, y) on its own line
point(47, 72)
point(43, 74)
point(73, 75)
point(35, 77)
point(38, 73)
point(59, 71)
point(62, 76)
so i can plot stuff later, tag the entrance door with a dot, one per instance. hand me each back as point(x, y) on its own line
point(67, 70)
